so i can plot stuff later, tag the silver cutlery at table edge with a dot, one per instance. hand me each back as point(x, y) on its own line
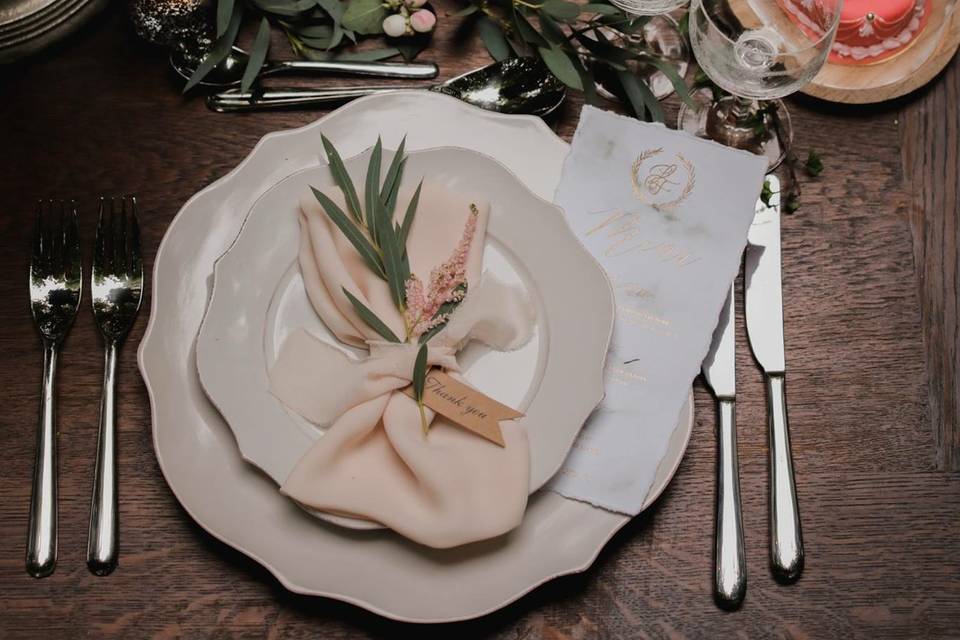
point(514, 85)
point(56, 283)
point(116, 288)
point(764, 315)
point(719, 370)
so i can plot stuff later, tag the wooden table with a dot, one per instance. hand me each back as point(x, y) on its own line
point(872, 337)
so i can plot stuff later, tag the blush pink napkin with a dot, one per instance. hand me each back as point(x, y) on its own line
point(444, 489)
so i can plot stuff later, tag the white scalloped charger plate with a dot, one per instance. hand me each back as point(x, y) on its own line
point(232, 500)
point(258, 300)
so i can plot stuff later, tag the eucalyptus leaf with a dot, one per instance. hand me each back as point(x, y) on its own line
point(561, 9)
point(352, 233)
point(258, 55)
point(371, 319)
point(683, 91)
point(640, 97)
point(284, 8)
point(224, 13)
point(466, 11)
point(334, 8)
point(560, 65)
point(219, 50)
point(493, 39)
point(420, 373)
point(411, 212)
point(342, 178)
point(392, 260)
point(601, 9)
point(552, 31)
point(364, 16)
point(391, 184)
point(527, 31)
point(371, 191)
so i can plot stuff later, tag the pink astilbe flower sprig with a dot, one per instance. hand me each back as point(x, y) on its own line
point(429, 308)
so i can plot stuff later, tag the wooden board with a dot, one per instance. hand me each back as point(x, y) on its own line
point(902, 74)
point(871, 317)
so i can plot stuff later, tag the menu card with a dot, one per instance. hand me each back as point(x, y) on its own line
point(667, 215)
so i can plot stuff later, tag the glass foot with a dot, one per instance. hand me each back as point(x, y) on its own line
point(660, 36)
point(739, 123)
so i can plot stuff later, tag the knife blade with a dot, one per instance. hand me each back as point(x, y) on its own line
point(764, 314)
point(719, 370)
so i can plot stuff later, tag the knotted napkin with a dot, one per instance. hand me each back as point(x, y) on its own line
point(443, 489)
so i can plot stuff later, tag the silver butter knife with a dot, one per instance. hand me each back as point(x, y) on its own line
point(730, 576)
point(764, 307)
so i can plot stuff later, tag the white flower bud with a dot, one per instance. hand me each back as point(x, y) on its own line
point(394, 26)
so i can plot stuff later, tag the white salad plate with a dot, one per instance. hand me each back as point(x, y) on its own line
point(238, 504)
point(258, 300)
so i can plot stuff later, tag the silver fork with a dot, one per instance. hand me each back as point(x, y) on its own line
point(55, 287)
point(117, 289)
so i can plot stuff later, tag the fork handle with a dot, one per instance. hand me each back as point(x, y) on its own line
point(42, 534)
point(102, 536)
point(786, 542)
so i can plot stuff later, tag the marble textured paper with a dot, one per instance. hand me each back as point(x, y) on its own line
point(667, 215)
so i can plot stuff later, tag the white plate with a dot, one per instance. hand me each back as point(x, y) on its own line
point(258, 299)
point(240, 506)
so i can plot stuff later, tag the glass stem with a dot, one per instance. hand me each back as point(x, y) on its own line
point(742, 108)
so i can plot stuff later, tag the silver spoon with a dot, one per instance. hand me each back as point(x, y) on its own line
point(230, 71)
point(514, 85)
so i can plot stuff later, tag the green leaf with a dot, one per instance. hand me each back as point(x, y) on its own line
point(601, 9)
point(371, 319)
point(219, 50)
point(466, 11)
point(364, 16)
point(527, 32)
point(561, 9)
point(391, 184)
point(641, 98)
point(560, 65)
point(392, 260)
point(411, 46)
point(372, 191)
point(258, 55)
point(493, 39)
point(420, 373)
point(352, 233)
point(552, 31)
point(342, 178)
point(814, 164)
point(224, 13)
point(334, 8)
point(411, 212)
point(683, 92)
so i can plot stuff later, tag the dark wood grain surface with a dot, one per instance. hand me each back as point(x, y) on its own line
point(871, 307)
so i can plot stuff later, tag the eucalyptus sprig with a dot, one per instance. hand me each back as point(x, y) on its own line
point(563, 35)
point(382, 244)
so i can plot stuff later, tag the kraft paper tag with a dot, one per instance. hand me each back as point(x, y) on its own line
point(463, 405)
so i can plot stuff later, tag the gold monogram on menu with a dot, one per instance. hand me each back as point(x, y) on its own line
point(663, 185)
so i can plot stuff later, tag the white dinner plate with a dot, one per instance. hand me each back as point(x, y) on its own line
point(228, 497)
point(258, 300)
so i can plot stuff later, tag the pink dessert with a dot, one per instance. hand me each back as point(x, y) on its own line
point(869, 30)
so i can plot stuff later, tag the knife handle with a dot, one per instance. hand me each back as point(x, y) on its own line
point(730, 578)
point(786, 545)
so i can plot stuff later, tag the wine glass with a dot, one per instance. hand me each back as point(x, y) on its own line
point(756, 50)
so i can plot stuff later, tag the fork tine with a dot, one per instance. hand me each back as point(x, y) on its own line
point(72, 262)
point(121, 250)
point(99, 245)
point(36, 259)
point(136, 256)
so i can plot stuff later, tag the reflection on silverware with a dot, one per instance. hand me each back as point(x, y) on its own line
point(116, 288)
point(515, 85)
point(230, 71)
point(764, 311)
point(730, 576)
point(55, 287)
